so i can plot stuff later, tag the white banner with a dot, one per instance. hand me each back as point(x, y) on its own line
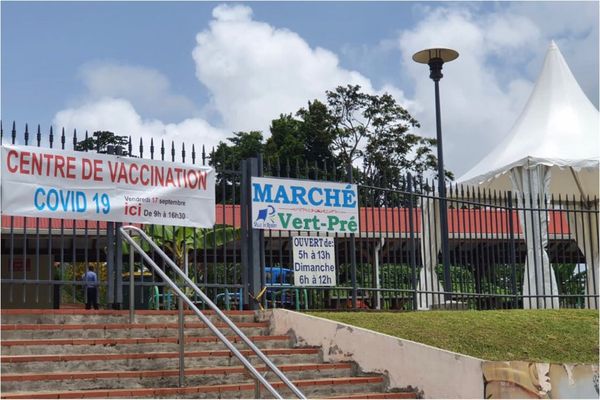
point(298, 205)
point(314, 261)
point(38, 182)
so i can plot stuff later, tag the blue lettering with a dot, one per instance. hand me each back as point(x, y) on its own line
point(81, 202)
point(52, 206)
point(37, 205)
point(311, 197)
point(298, 193)
point(349, 197)
point(64, 201)
point(262, 194)
point(332, 197)
point(281, 194)
point(55, 198)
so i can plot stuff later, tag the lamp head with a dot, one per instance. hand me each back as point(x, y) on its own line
point(435, 58)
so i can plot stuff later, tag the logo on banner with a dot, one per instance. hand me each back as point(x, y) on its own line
point(266, 218)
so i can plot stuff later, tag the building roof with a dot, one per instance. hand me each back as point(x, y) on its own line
point(372, 222)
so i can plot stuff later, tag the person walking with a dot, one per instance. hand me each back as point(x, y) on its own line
point(91, 280)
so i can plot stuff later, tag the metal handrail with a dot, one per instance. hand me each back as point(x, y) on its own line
point(257, 376)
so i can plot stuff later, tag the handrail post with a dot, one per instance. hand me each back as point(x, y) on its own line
point(182, 325)
point(256, 389)
point(182, 295)
point(181, 342)
point(131, 286)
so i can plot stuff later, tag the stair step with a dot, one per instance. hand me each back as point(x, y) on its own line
point(164, 378)
point(77, 353)
point(112, 316)
point(129, 345)
point(385, 395)
point(34, 311)
point(310, 387)
point(114, 330)
point(103, 362)
point(52, 327)
point(119, 356)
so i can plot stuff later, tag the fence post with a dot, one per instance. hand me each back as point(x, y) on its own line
point(110, 254)
point(261, 236)
point(411, 246)
point(244, 210)
point(252, 243)
point(353, 251)
point(118, 305)
point(513, 255)
point(445, 232)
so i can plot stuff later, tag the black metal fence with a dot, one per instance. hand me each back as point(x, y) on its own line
point(44, 259)
point(393, 263)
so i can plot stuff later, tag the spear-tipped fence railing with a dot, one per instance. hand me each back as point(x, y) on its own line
point(388, 265)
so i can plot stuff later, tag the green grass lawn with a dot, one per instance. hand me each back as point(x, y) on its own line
point(559, 336)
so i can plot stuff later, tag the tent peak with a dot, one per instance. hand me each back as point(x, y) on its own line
point(558, 122)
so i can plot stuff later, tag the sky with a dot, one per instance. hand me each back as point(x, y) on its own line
point(195, 72)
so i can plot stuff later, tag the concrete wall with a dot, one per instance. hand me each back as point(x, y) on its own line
point(436, 373)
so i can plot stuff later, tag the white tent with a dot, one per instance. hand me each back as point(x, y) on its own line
point(552, 149)
point(429, 288)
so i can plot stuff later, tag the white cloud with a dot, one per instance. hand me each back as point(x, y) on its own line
point(138, 102)
point(119, 116)
point(558, 18)
point(255, 71)
point(508, 32)
point(476, 107)
point(574, 27)
point(501, 54)
point(147, 89)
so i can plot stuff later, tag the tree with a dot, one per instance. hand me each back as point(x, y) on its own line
point(243, 145)
point(226, 159)
point(286, 143)
point(371, 133)
point(305, 141)
point(377, 131)
point(100, 140)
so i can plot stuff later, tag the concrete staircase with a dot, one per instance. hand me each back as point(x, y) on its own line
point(98, 354)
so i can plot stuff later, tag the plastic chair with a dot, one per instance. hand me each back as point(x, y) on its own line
point(157, 300)
point(228, 298)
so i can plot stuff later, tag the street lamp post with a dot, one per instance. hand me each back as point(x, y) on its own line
point(435, 58)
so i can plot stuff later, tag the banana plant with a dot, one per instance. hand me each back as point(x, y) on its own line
point(175, 241)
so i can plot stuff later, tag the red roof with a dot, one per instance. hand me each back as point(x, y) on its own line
point(32, 223)
point(372, 220)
